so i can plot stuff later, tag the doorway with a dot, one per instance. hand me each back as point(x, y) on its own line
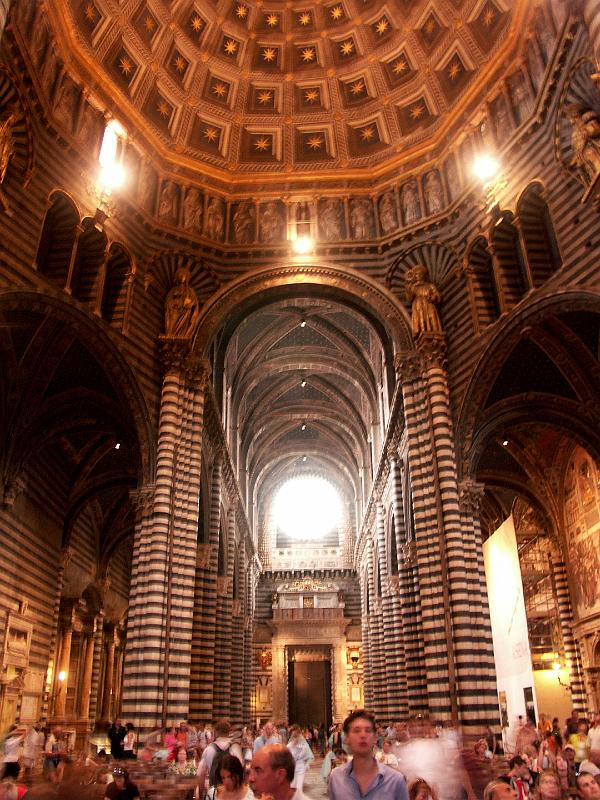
point(309, 685)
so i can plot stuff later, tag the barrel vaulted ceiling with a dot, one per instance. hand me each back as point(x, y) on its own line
point(306, 397)
point(251, 86)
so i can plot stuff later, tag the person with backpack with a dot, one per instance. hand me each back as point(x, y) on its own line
point(213, 755)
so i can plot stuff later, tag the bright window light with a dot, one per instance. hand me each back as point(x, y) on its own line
point(303, 244)
point(307, 508)
point(111, 154)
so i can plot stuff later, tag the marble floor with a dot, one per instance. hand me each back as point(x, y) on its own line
point(315, 787)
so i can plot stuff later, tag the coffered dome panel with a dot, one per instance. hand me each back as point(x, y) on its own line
point(281, 87)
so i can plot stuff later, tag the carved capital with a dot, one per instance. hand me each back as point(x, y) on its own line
point(10, 488)
point(408, 366)
point(393, 585)
point(197, 371)
point(174, 353)
point(223, 584)
point(65, 556)
point(377, 605)
point(470, 493)
point(433, 349)
point(408, 553)
point(203, 556)
point(141, 499)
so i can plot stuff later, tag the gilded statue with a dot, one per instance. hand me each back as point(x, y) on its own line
point(182, 309)
point(585, 141)
point(7, 141)
point(424, 297)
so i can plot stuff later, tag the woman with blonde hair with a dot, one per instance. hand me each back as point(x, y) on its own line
point(548, 786)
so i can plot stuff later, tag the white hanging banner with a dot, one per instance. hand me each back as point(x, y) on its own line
point(514, 673)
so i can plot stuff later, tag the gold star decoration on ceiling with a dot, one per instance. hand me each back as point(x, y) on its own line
point(382, 26)
point(311, 96)
point(179, 63)
point(149, 24)
point(304, 18)
point(399, 66)
point(314, 142)
point(430, 26)
point(90, 12)
point(454, 70)
point(272, 20)
point(265, 97)
point(230, 47)
point(163, 108)
point(308, 55)
point(197, 24)
point(417, 111)
point(269, 54)
point(262, 143)
point(210, 134)
point(358, 87)
point(125, 65)
point(220, 89)
point(241, 11)
point(488, 17)
point(336, 13)
point(367, 134)
point(347, 47)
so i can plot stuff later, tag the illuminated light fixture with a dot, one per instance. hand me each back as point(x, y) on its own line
point(303, 244)
point(303, 383)
point(112, 174)
point(556, 666)
point(62, 676)
point(304, 458)
point(118, 446)
point(303, 428)
point(488, 170)
point(303, 323)
point(504, 442)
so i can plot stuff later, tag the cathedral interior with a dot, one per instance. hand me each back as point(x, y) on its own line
point(298, 306)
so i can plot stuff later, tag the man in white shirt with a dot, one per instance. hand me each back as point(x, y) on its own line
point(593, 741)
point(268, 736)
point(272, 773)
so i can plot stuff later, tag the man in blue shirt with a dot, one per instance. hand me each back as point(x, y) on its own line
point(364, 777)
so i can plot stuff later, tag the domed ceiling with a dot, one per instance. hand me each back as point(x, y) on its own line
point(272, 87)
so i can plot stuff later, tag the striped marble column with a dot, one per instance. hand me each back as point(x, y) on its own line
point(484, 670)
point(397, 587)
point(65, 557)
point(236, 712)
point(390, 645)
point(248, 673)
point(156, 680)
point(366, 599)
point(429, 552)
point(565, 617)
point(98, 638)
point(224, 630)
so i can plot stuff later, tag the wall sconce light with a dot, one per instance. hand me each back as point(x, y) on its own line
point(354, 658)
point(488, 170)
point(557, 666)
point(111, 174)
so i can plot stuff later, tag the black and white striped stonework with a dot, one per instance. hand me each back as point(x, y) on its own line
point(565, 617)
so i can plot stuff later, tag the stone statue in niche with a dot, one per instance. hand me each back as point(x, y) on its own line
point(424, 298)
point(64, 106)
point(8, 119)
point(214, 222)
point(271, 223)
point(388, 217)
point(88, 128)
point(502, 121)
point(433, 192)
point(585, 142)
point(521, 97)
point(410, 203)
point(243, 223)
point(146, 185)
point(182, 310)
point(192, 211)
point(361, 217)
point(331, 216)
point(167, 205)
point(452, 177)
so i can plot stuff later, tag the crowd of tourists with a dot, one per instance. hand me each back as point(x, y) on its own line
point(412, 760)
